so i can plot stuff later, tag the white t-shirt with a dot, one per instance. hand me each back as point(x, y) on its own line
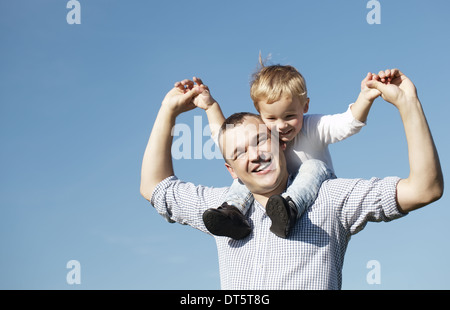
point(317, 133)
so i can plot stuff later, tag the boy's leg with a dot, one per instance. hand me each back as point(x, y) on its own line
point(285, 209)
point(229, 219)
point(305, 187)
point(239, 196)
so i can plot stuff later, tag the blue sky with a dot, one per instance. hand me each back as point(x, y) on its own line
point(77, 104)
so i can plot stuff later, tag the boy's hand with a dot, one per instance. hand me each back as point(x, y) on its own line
point(370, 94)
point(204, 100)
point(361, 107)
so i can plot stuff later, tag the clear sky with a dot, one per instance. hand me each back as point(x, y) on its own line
point(77, 104)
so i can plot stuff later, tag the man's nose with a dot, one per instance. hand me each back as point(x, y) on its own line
point(253, 153)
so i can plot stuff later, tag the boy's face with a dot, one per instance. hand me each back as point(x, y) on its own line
point(284, 116)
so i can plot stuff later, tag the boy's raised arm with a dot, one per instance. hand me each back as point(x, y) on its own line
point(337, 127)
point(206, 102)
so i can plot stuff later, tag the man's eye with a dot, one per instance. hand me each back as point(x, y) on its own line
point(262, 140)
point(240, 155)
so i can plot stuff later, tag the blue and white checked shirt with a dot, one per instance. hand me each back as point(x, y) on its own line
point(313, 255)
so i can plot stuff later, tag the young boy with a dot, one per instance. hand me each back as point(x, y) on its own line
point(280, 96)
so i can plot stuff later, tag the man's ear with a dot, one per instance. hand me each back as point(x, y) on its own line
point(231, 171)
point(306, 106)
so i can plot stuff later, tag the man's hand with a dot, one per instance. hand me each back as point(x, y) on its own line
point(394, 86)
point(194, 95)
point(180, 98)
point(205, 101)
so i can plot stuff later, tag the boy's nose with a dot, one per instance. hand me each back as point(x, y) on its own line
point(281, 125)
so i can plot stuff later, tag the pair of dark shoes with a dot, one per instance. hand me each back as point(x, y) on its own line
point(228, 221)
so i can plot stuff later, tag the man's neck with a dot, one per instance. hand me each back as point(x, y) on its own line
point(262, 198)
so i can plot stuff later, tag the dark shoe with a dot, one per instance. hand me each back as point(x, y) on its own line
point(226, 221)
point(283, 214)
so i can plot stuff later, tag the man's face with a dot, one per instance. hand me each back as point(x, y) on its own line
point(254, 156)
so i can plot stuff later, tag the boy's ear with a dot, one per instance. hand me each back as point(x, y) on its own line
point(231, 171)
point(306, 106)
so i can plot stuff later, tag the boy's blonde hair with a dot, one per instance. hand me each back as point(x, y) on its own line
point(272, 82)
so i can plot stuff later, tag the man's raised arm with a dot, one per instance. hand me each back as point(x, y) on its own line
point(425, 182)
point(157, 161)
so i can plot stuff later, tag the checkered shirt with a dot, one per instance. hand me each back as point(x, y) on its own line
point(311, 257)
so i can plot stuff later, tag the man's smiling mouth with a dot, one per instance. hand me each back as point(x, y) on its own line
point(263, 167)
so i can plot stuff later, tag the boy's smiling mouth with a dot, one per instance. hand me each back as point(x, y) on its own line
point(286, 132)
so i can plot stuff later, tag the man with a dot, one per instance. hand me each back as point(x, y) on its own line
point(312, 257)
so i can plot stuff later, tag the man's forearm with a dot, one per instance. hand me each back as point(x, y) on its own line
point(157, 161)
point(425, 182)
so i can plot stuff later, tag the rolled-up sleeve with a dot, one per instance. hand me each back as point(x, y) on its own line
point(184, 202)
point(364, 201)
